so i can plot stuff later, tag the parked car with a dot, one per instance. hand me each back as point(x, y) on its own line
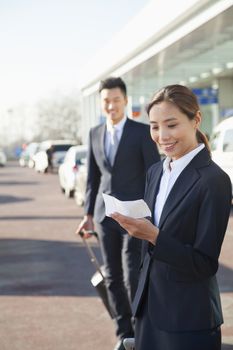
point(3, 158)
point(80, 184)
point(26, 157)
point(222, 146)
point(58, 147)
point(69, 169)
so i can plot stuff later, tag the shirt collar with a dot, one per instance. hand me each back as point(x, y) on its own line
point(119, 126)
point(182, 162)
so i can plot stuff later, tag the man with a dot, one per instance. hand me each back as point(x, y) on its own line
point(120, 152)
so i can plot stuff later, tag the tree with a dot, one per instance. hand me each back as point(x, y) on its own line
point(59, 117)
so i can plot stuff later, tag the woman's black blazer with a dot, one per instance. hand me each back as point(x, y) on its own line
point(178, 273)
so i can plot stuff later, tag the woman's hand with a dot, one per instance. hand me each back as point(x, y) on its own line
point(139, 228)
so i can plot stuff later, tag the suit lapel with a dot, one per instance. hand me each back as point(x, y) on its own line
point(101, 143)
point(153, 187)
point(182, 185)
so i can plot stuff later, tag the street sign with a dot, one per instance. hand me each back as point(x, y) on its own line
point(206, 96)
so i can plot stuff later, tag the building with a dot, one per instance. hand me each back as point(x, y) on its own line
point(186, 41)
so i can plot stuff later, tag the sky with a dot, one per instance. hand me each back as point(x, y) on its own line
point(45, 43)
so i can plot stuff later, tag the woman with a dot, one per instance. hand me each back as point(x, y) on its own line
point(177, 303)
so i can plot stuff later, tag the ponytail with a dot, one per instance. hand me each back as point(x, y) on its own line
point(201, 138)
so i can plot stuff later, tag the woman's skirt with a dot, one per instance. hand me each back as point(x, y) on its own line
point(149, 337)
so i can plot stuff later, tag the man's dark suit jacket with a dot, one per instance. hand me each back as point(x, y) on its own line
point(178, 273)
point(126, 178)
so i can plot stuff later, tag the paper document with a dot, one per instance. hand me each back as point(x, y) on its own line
point(135, 209)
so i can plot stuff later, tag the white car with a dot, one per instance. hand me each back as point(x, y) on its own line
point(59, 149)
point(80, 184)
point(69, 169)
point(222, 146)
point(3, 158)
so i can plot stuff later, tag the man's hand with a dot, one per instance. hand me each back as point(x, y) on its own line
point(86, 226)
point(139, 228)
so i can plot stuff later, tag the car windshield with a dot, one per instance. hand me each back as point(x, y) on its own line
point(80, 157)
point(228, 141)
point(62, 148)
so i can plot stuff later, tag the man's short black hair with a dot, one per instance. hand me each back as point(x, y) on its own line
point(111, 83)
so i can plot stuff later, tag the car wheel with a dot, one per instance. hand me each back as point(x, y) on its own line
point(69, 193)
point(79, 201)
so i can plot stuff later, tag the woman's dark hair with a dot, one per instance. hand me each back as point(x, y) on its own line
point(184, 99)
point(111, 83)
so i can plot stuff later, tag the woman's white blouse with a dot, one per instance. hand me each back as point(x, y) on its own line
point(171, 171)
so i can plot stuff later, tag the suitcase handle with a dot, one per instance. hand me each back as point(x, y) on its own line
point(90, 232)
point(91, 253)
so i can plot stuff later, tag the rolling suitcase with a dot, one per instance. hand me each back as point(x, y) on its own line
point(98, 279)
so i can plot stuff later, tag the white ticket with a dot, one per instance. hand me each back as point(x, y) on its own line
point(135, 209)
